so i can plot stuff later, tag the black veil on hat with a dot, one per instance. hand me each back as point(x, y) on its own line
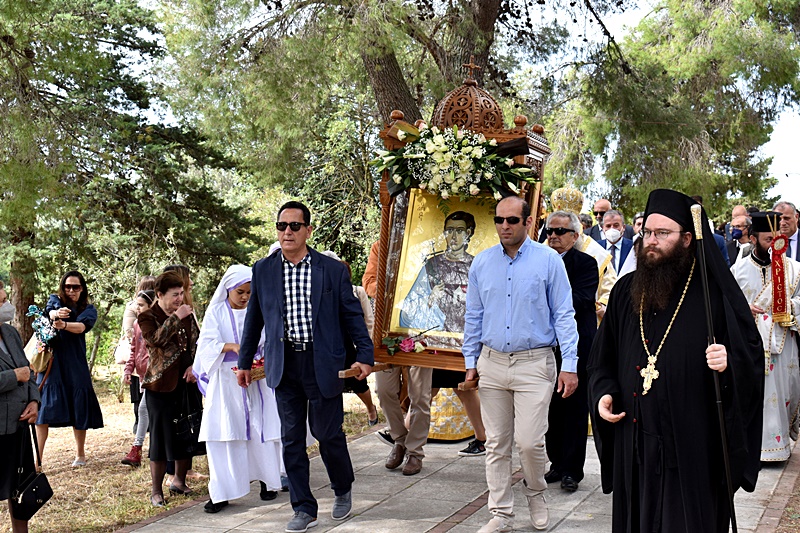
point(745, 349)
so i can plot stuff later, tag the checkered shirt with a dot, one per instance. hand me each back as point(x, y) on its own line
point(297, 295)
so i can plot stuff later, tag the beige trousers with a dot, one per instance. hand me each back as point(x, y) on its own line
point(515, 391)
point(419, 410)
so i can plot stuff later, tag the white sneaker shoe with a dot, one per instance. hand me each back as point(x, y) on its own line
point(496, 525)
point(539, 515)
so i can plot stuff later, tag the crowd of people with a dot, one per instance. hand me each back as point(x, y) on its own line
point(597, 321)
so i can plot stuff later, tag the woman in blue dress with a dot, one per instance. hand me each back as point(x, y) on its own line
point(68, 398)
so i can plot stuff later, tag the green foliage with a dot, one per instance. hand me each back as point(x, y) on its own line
point(705, 83)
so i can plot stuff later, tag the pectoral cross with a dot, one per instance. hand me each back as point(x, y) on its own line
point(649, 373)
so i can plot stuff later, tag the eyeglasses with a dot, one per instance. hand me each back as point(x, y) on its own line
point(281, 226)
point(599, 214)
point(457, 231)
point(511, 220)
point(75, 288)
point(558, 231)
point(660, 234)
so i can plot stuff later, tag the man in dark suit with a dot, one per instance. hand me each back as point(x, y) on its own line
point(618, 246)
point(596, 232)
point(740, 233)
point(789, 219)
point(304, 303)
point(568, 417)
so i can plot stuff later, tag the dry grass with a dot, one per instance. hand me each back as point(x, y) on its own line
point(790, 520)
point(106, 495)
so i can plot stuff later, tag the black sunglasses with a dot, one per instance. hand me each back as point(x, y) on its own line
point(69, 287)
point(558, 231)
point(511, 220)
point(281, 226)
point(599, 214)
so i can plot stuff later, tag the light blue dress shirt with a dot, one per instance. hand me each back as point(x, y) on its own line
point(519, 304)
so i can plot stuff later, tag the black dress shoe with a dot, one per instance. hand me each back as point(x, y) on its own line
point(569, 484)
point(211, 507)
point(552, 476)
point(266, 494)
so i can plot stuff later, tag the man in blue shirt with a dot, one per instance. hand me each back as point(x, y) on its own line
point(519, 307)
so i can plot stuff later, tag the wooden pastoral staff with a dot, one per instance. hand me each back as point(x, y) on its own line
point(440, 183)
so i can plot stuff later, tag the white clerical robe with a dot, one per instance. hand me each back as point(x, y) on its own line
point(782, 376)
point(240, 426)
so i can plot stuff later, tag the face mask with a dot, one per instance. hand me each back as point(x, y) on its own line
point(736, 233)
point(613, 235)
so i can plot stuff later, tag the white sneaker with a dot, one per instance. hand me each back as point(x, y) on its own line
point(539, 515)
point(496, 525)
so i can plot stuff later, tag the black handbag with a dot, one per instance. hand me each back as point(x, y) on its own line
point(187, 425)
point(33, 492)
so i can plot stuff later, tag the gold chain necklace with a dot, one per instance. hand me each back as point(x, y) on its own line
point(649, 373)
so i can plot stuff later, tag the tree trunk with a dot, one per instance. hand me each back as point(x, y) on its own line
point(389, 85)
point(100, 327)
point(22, 282)
point(475, 38)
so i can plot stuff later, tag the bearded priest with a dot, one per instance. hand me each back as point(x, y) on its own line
point(651, 383)
point(774, 307)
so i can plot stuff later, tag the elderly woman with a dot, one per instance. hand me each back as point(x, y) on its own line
point(241, 427)
point(19, 406)
point(170, 330)
point(68, 397)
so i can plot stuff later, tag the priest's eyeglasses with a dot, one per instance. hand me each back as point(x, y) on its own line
point(281, 226)
point(659, 234)
point(558, 231)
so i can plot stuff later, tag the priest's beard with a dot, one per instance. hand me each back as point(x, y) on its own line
point(659, 277)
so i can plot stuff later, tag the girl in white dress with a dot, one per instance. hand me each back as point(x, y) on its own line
point(240, 426)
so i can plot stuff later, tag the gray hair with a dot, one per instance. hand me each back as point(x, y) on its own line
point(783, 203)
point(574, 221)
point(614, 213)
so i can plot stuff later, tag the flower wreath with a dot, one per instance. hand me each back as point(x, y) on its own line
point(453, 162)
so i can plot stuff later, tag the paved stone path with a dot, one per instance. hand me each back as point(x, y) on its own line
point(449, 495)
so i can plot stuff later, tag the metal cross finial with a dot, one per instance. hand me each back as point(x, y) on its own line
point(471, 66)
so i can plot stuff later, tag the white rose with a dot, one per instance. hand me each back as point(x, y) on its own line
point(401, 134)
point(454, 188)
point(492, 142)
point(438, 140)
point(445, 195)
point(510, 162)
point(435, 130)
point(430, 147)
point(396, 178)
point(477, 152)
point(488, 175)
point(498, 196)
point(474, 190)
point(423, 185)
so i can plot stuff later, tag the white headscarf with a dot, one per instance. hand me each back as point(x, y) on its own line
point(209, 356)
point(235, 276)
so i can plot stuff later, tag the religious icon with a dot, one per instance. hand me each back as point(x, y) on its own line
point(441, 239)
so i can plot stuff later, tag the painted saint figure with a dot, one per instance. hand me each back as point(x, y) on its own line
point(438, 297)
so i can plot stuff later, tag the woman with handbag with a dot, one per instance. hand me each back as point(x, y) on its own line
point(19, 406)
point(68, 397)
point(137, 362)
point(170, 330)
point(240, 427)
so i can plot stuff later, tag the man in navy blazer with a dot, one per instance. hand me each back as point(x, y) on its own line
point(618, 246)
point(568, 417)
point(304, 303)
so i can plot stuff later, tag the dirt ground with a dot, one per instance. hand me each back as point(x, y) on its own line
point(106, 495)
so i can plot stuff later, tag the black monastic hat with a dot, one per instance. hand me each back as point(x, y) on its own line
point(765, 222)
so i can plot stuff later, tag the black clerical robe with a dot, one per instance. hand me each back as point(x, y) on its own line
point(664, 458)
